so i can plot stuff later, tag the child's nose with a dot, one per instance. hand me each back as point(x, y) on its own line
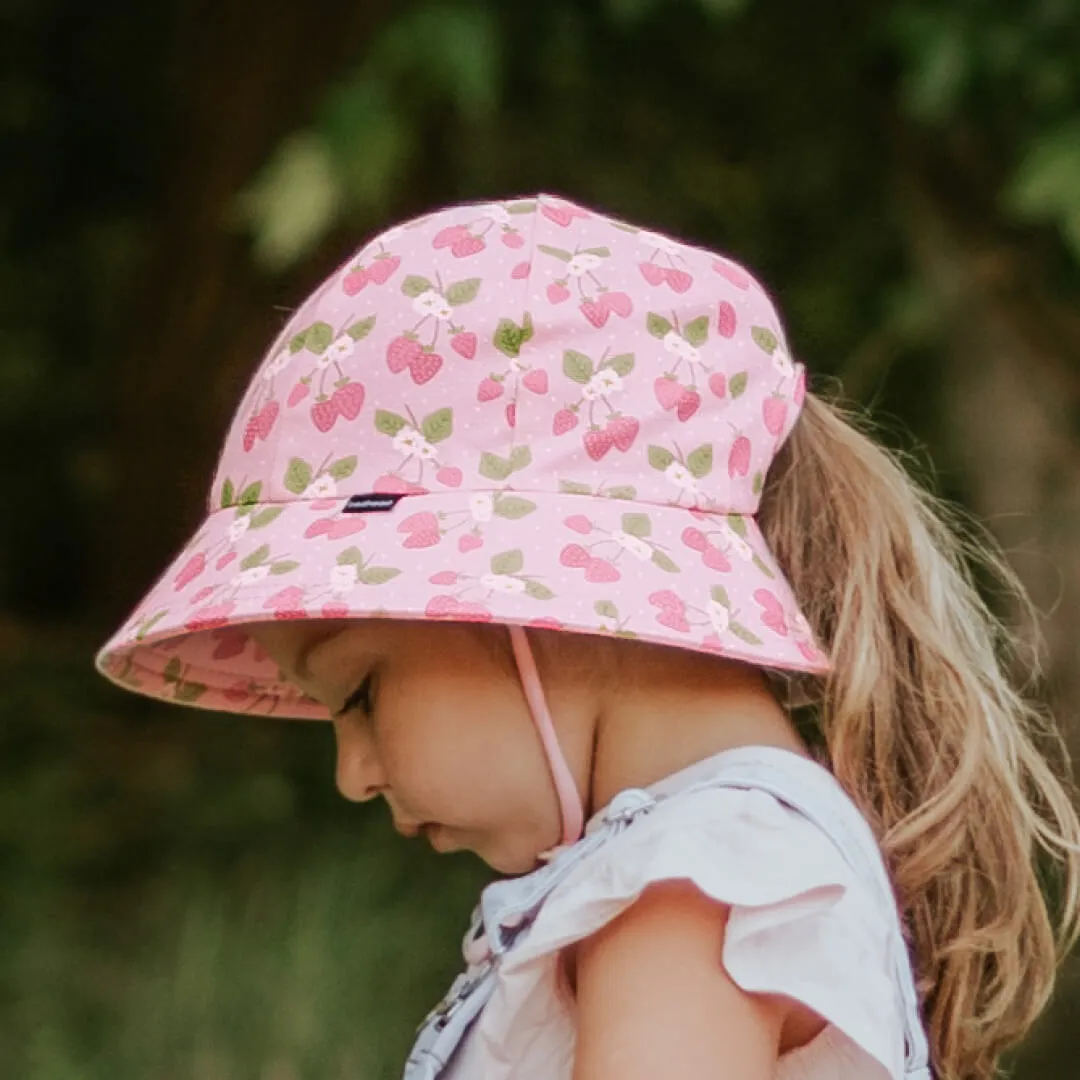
point(359, 775)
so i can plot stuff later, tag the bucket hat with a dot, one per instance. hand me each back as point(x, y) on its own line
point(523, 412)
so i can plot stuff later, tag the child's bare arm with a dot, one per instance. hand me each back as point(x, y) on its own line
point(654, 999)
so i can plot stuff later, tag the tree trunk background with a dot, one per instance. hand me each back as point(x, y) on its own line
point(250, 75)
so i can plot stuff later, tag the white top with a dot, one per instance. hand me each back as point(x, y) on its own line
point(801, 923)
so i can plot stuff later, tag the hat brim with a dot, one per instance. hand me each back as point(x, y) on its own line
point(584, 563)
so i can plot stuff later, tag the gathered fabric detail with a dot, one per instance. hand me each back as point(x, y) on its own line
point(801, 923)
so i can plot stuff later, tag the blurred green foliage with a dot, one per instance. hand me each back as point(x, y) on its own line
point(184, 896)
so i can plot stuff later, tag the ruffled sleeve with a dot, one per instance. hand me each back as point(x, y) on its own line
point(801, 924)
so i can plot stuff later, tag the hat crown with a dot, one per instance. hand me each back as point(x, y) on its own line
point(524, 346)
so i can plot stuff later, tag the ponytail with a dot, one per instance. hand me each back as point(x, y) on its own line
point(928, 732)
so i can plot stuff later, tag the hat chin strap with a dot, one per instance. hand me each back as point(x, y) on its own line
point(573, 814)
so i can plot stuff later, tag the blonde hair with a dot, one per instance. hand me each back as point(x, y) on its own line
point(929, 730)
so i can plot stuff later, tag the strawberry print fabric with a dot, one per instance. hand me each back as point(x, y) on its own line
point(578, 415)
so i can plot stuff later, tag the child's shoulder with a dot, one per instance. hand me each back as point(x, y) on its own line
point(802, 920)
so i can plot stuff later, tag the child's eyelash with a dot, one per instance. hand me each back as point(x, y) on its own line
point(359, 698)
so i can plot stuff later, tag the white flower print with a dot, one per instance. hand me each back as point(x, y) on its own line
point(499, 214)
point(592, 390)
point(323, 488)
point(253, 575)
point(655, 240)
point(681, 477)
point(277, 365)
point(582, 263)
point(799, 625)
point(607, 623)
point(678, 345)
point(410, 442)
point(238, 527)
point(719, 616)
point(342, 578)
point(502, 583)
point(433, 303)
point(782, 361)
point(737, 543)
point(635, 545)
point(481, 506)
point(342, 348)
point(607, 378)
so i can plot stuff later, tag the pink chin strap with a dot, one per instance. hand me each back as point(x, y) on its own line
point(573, 813)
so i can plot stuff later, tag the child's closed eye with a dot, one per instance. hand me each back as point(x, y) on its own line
point(361, 698)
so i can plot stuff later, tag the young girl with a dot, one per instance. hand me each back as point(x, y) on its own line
point(534, 506)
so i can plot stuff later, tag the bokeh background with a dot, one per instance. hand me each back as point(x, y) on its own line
point(183, 896)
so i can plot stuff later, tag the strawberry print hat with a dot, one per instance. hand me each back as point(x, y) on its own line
point(522, 412)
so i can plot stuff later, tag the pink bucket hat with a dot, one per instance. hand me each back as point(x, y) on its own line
point(521, 412)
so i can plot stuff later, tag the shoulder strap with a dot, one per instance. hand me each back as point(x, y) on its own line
point(815, 793)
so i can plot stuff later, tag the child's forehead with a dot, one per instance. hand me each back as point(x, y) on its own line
point(307, 648)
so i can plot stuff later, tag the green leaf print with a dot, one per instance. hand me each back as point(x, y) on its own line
point(250, 495)
point(764, 339)
point(657, 325)
point(719, 594)
point(507, 562)
point(509, 337)
point(377, 575)
point(389, 423)
point(577, 366)
point(415, 286)
point(520, 458)
point(748, 636)
point(318, 337)
point(700, 461)
point(189, 692)
point(148, 624)
point(265, 517)
point(173, 670)
point(297, 475)
point(763, 568)
point(512, 507)
point(343, 468)
point(494, 467)
point(738, 526)
point(572, 487)
point(756, 486)
point(538, 591)
point(296, 342)
point(438, 425)
point(461, 292)
point(360, 330)
point(697, 331)
point(665, 562)
point(636, 524)
point(621, 491)
point(606, 609)
point(603, 252)
point(283, 566)
point(622, 364)
point(559, 253)
point(737, 384)
point(526, 207)
point(351, 556)
point(659, 458)
point(228, 494)
point(256, 558)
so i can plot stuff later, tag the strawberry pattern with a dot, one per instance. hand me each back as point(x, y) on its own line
point(569, 420)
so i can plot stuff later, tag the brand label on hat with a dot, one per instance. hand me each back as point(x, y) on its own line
point(374, 502)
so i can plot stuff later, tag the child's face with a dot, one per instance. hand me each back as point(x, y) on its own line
point(448, 742)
